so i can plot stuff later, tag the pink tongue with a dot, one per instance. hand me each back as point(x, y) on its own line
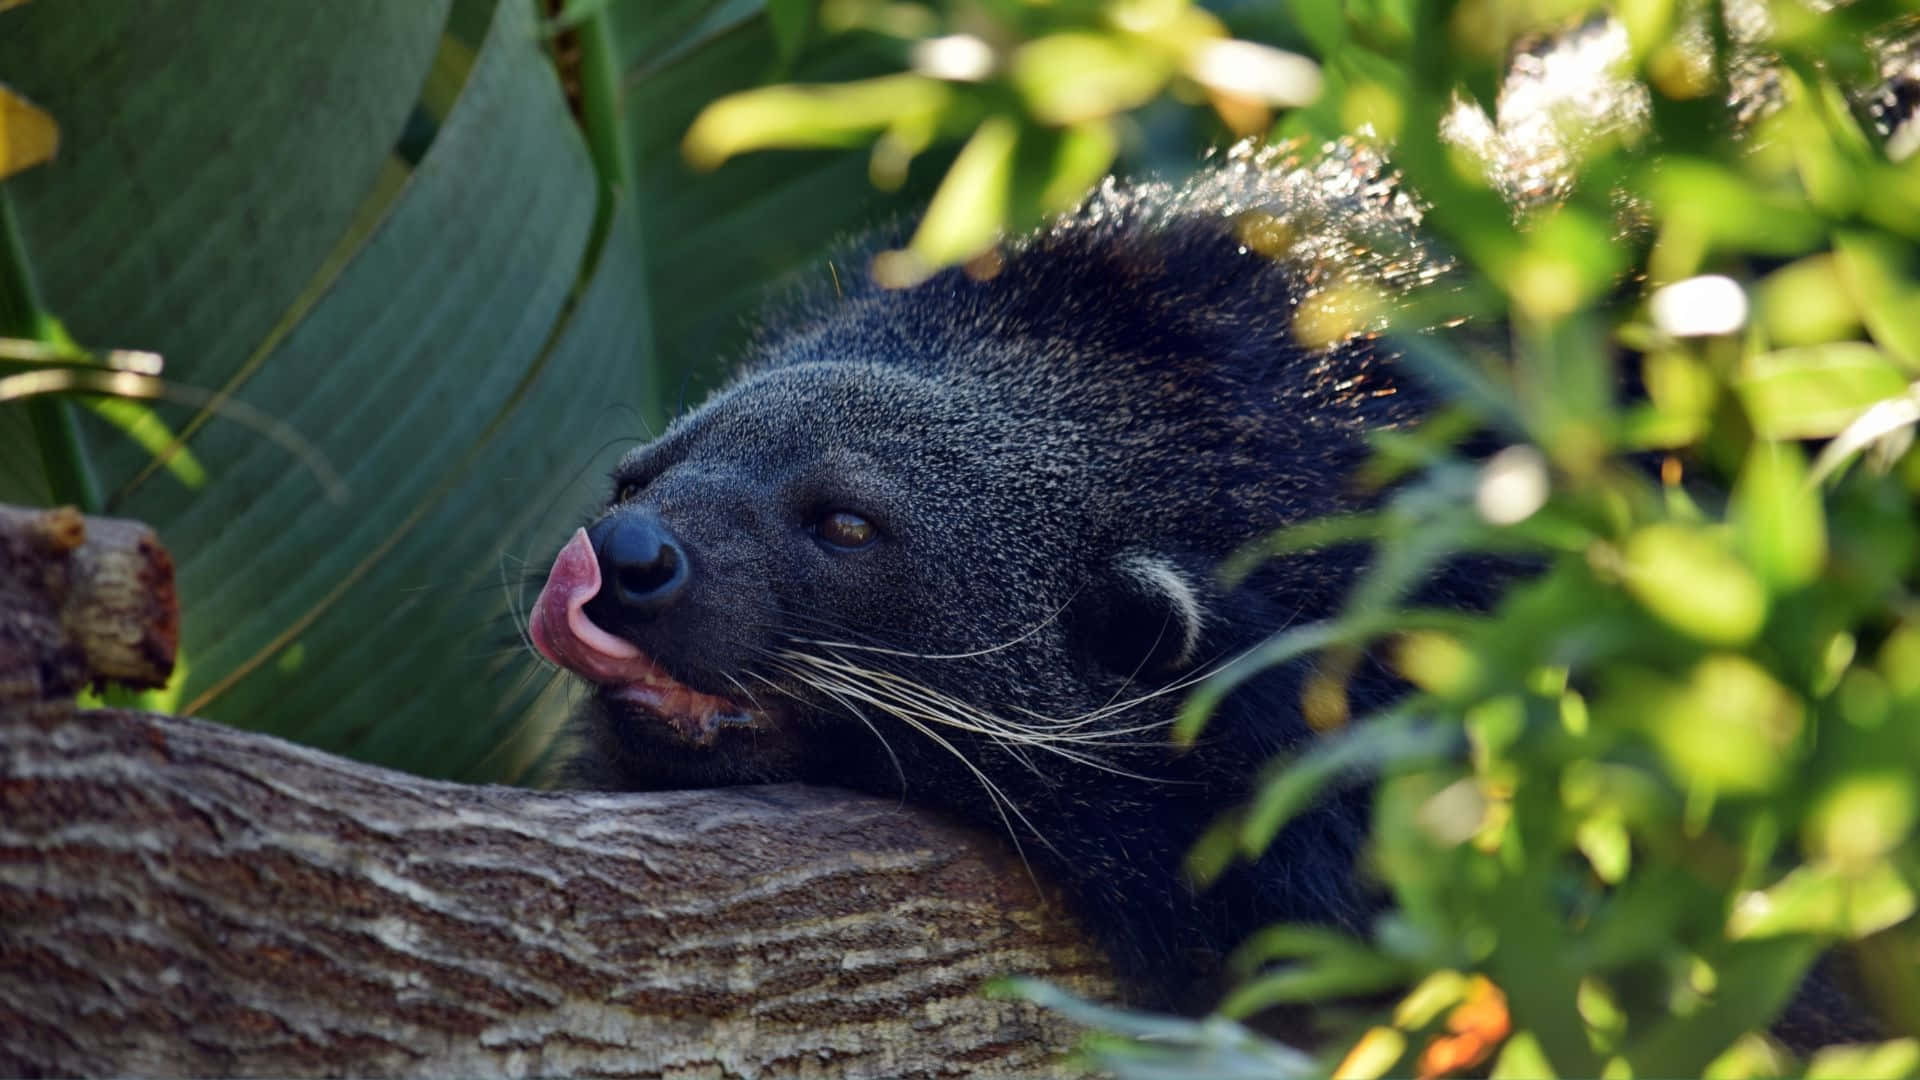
point(563, 633)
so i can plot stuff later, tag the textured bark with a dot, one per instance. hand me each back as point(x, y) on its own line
point(182, 898)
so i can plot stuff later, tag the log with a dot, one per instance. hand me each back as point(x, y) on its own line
point(184, 898)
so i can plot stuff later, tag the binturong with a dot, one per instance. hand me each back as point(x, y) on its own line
point(959, 543)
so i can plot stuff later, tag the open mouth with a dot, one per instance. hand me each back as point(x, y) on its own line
point(564, 634)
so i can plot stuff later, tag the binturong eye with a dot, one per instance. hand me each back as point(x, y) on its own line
point(846, 530)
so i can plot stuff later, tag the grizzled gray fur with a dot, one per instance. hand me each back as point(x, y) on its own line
point(1044, 464)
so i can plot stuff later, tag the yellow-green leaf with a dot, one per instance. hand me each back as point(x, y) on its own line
point(1075, 77)
point(971, 205)
point(1871, 1061)
point(809, 116)
point(1814, 391)
point(1778, 520)
point(1728, 726)
point(1688, 579)
point(28, 136)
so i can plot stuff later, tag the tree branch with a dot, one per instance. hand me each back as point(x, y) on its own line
point(178, 897)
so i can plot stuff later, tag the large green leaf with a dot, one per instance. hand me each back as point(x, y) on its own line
point(229, 194)
point(716, 241)
point(374, 223)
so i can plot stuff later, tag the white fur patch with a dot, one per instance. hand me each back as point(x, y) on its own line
point(1161, 576)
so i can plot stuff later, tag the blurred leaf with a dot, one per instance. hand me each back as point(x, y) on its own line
point(1688, 578)
point(1605, 843)
point(1727, 726)
point(28, 136)
point(1871, 268)
point(1807, 302)
point(1824, 900)
point(802, 116)
point(1352, 754)
point(1776, 513)
point(1878, 1061)
point(1072, 78)
point(1749, 1058)
point(1373, 1056)
point(964, 217)
point(789, 20)
point(1155, 1047)
point(1814, 391)
point(1865, 816)
point(1522, 1058)
point(1886, 422)
point(1321, 964)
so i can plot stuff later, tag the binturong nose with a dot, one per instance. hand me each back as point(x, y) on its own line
point(643, 566)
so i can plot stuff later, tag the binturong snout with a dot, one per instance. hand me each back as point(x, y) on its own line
point(643, 565)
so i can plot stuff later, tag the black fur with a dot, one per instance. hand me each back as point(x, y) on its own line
point(1057, 457)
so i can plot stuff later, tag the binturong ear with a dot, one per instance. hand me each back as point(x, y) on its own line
point(1142, 614)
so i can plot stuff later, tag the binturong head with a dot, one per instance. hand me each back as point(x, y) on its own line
point(959, 543)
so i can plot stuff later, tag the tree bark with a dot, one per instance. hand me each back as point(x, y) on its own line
point(178, 897)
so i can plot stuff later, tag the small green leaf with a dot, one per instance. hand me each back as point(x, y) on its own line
point(1778, 520)
point(1824, 900)
point(1873, 1061)
point(1749, 1058)
point(1348, 975)
point(1813, 391)
point(1071, 78)
point(970, 208)
point(1373, 1056)
point(28, 136)
point(1865, 816)
point(1729, 726)
point(1688, 579)
point(1434, 995)
point(1604, 841)
point(1522, 1058)
point(844, 114)
point(1355, 751)
point(1807, 302)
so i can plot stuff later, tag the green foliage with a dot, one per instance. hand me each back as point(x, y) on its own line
point(371, 224)
point(409, 313)
point(1620, 814)
point(1036, 90)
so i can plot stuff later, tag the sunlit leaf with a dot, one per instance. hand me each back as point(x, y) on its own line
point(967, 211)
point(1875, 1061)
point(844, 115)
point(1863, 817)
point(1727, 726)
point(1777, 517)
point(1522, 1058)
point(28, 136)
point(1824, 900)
point(1814, 391)
point(1072, 78)
point(1373, 1056)
point(1688, 578)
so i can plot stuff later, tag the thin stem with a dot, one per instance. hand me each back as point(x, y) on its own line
point(602, 101)
point(603, 109)
point(63, 454)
